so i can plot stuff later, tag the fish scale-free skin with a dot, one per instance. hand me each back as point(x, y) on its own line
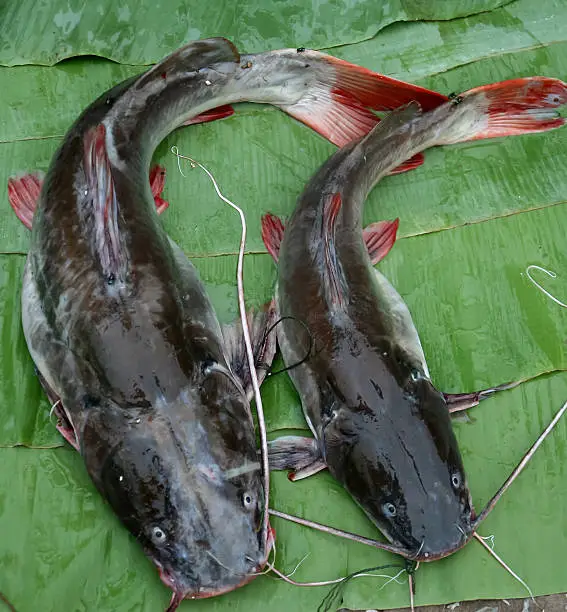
point(381, 427)
point(124, 337)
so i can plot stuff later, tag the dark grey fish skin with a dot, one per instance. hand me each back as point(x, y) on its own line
point(381, 427)
point(128, 344)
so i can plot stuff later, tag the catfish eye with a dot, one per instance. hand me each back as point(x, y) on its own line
point(389, 510)
point(248, 500)
point(208, 366)
point(158, 536)
point(456, 480)
point(415, 374)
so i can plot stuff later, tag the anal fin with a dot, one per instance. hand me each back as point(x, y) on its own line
point(411, 164)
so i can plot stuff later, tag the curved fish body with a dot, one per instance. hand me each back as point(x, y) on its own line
point(147, 385)
point(380, 426)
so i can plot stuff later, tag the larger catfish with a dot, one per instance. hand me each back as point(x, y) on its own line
point(381, 427)
point(146, 384)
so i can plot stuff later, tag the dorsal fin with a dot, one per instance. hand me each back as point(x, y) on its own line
point(334, 278)
point(100, 196)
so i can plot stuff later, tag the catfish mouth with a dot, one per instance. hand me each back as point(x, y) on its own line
point(179, 593)
point(424, 553)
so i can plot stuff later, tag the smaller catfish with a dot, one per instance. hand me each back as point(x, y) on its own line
point(381, 427)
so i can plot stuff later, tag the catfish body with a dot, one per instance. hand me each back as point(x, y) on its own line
point(381, 427)
point(129, 348)
point(146, 384)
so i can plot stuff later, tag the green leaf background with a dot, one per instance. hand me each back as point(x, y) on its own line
point(471, 220)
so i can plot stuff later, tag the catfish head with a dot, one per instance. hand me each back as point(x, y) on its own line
point(184, 478)
point(389, 441)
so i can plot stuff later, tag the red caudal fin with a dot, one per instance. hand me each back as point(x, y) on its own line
point(272, 234)
point(380, 238)
point(509, 108)
point(520, 106)
point(23, 193)
point(339, 102)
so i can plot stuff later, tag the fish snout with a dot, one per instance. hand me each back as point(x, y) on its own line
point(456, 536)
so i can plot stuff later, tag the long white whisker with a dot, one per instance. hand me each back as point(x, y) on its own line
point(53, 407)
point(504, 565)
point(298, 566)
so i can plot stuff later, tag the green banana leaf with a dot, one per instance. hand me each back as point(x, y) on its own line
point(472, 219)
point(142, 33)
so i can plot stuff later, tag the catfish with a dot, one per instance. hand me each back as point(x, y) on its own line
point(348, 339)
point(145, 383)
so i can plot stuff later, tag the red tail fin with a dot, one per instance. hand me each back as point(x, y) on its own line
point(518, 106)
point(340, 102)
point(378, 91)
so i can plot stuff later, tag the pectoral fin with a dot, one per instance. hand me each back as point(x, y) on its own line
point(456, 402)
point(296, 453)
point(23, 193)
